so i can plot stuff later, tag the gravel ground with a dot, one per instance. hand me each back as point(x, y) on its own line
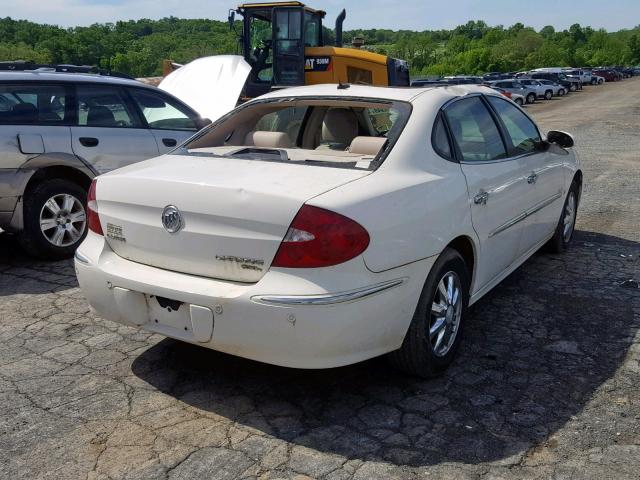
point(545, 386)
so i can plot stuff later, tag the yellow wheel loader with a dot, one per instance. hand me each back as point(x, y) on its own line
point(284, 45)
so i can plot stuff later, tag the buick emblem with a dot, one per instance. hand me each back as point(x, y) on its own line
point(172, 219)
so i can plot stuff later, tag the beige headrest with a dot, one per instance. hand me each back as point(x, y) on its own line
point(367, 145)
point(340, 125)
point(268, 139)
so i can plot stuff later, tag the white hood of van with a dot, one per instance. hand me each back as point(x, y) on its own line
point(209, 85)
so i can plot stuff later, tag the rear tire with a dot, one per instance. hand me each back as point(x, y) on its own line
point(548, 95)
point(573, 87)
point(435, 332)
point(519, 101)
point(531, 98)
point(566, 224)
point(561, 92)
point(54, 219)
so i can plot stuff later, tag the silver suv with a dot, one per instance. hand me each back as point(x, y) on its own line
point(514, 86)
point(543, 91)
point(58, 131)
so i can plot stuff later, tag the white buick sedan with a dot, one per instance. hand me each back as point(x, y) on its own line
point(321, 226)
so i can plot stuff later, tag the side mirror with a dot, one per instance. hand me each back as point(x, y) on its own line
point(562, 139)
point(202, 122)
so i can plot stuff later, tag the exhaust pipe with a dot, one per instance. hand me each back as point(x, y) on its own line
point(339, 22)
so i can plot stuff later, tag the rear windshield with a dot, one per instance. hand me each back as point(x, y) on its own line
point(354, 133)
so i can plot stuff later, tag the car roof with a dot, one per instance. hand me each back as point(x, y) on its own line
point(51, 76)
point(405, 94)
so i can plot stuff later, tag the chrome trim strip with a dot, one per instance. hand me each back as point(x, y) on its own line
point(328, 298)
point(525, 214)
point(508, 224)
point(81, 258)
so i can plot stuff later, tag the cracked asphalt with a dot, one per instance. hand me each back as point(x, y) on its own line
point(546, 385)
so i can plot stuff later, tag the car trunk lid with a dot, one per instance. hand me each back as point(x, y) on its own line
point(234, 212)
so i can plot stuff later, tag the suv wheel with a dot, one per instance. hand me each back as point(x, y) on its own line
point(531, 98)
point(561, 92)
point(55, 221)
point(572, 87)
point(548, 95)
point(435, 331)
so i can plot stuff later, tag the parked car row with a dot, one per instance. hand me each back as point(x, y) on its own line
point(542, 83)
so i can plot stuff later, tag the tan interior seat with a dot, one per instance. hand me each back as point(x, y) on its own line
point(367, 145)
point(265, 139)
point(339, 128)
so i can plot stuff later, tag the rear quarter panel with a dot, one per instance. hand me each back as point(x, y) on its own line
point(413, 205)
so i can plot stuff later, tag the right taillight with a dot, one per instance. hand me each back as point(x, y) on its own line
point(320, 238)
point(93, 220)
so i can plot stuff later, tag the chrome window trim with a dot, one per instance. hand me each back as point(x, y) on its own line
point(328, 298)
point(500, 160)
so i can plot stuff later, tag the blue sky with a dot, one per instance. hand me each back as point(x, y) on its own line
point(405, 14)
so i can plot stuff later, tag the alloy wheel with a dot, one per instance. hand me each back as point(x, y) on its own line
point(569, 217)
point(63, 220)
point(446, 313)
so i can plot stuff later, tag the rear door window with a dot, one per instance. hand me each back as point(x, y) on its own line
point(104, 106)
point(474, 131)
point(33, 104)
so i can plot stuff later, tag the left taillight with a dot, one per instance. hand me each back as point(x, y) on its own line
point(93, 220)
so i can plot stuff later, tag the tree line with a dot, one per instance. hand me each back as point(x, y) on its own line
point(137, 47)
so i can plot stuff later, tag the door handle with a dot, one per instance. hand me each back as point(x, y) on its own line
point(481, 198)
point(89, 141)
point(533, 178)
point(169, 142)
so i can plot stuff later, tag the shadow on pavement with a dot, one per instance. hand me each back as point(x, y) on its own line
point(20, 274)
point(535, 351)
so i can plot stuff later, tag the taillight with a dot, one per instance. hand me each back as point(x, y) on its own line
point(93, 220)
point(320, 238)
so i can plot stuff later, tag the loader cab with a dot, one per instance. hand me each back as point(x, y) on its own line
point(273, 39)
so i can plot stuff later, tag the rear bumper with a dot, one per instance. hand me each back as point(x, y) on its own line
point(318, 318)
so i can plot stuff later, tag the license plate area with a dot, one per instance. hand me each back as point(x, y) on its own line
point(179, 320)
point(169, 313)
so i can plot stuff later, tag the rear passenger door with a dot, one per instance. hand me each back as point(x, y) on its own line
point(108, 132)
point(170, 122)
point(496, 184)
point(34, 120)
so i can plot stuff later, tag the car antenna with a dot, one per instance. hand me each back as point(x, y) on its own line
point(343, 86)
